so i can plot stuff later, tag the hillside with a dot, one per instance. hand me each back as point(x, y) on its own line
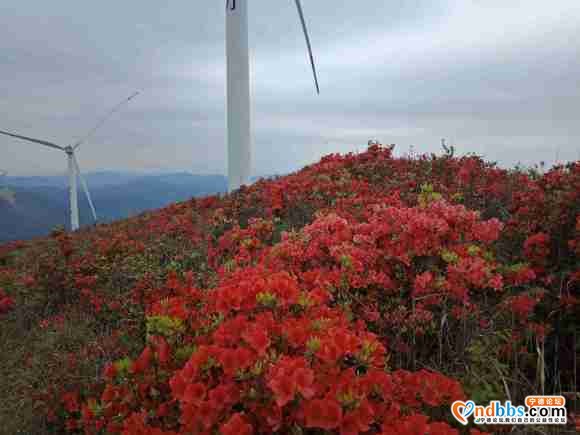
point(39, 204)
point(362, 294)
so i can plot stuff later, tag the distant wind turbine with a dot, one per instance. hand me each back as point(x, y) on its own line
point(73, 166)
point(238, 89)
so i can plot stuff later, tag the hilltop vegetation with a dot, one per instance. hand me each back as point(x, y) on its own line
point(362, 294)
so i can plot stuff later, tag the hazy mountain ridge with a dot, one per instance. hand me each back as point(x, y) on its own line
point(36, 205)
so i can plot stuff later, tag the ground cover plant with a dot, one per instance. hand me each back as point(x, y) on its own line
point(362, 294)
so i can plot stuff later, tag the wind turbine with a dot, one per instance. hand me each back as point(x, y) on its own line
point(238, 89)
point(74, 171)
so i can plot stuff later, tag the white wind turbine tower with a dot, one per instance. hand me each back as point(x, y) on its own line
point(238, 89)
point(74, 171)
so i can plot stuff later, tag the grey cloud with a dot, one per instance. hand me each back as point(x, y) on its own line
point(493, 77)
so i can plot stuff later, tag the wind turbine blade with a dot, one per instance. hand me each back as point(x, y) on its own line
point(103, 119)
point(30, 139)
point(305, 30)
point(84, 186)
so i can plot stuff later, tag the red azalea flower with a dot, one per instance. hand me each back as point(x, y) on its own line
point(258, 339)
point(142, 363)
point(304, 380)
point(71, 401)
point(283, 390)
point(6, 304)
point(178, 385)
point(291, 376)
point(194, 393)
point(323, 414)
point(422, 283)
point(109, 393)
point(537, 246)
point(358, 420)
point(71, 424)
point(522, 305)
point(237, 425)
point(233, 360)
point(224, 395)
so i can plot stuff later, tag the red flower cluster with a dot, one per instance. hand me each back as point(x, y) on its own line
point(6, 302)
point(275, 359)
point(259, 304)
point(537, 247)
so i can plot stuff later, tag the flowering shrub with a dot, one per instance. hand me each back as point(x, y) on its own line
point(264, 357)
point(331, 300)
point(6, 302)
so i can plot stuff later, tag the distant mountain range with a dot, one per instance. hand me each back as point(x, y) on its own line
point(31, 206)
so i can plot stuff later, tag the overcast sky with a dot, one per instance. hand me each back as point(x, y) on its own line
point(495, 77)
